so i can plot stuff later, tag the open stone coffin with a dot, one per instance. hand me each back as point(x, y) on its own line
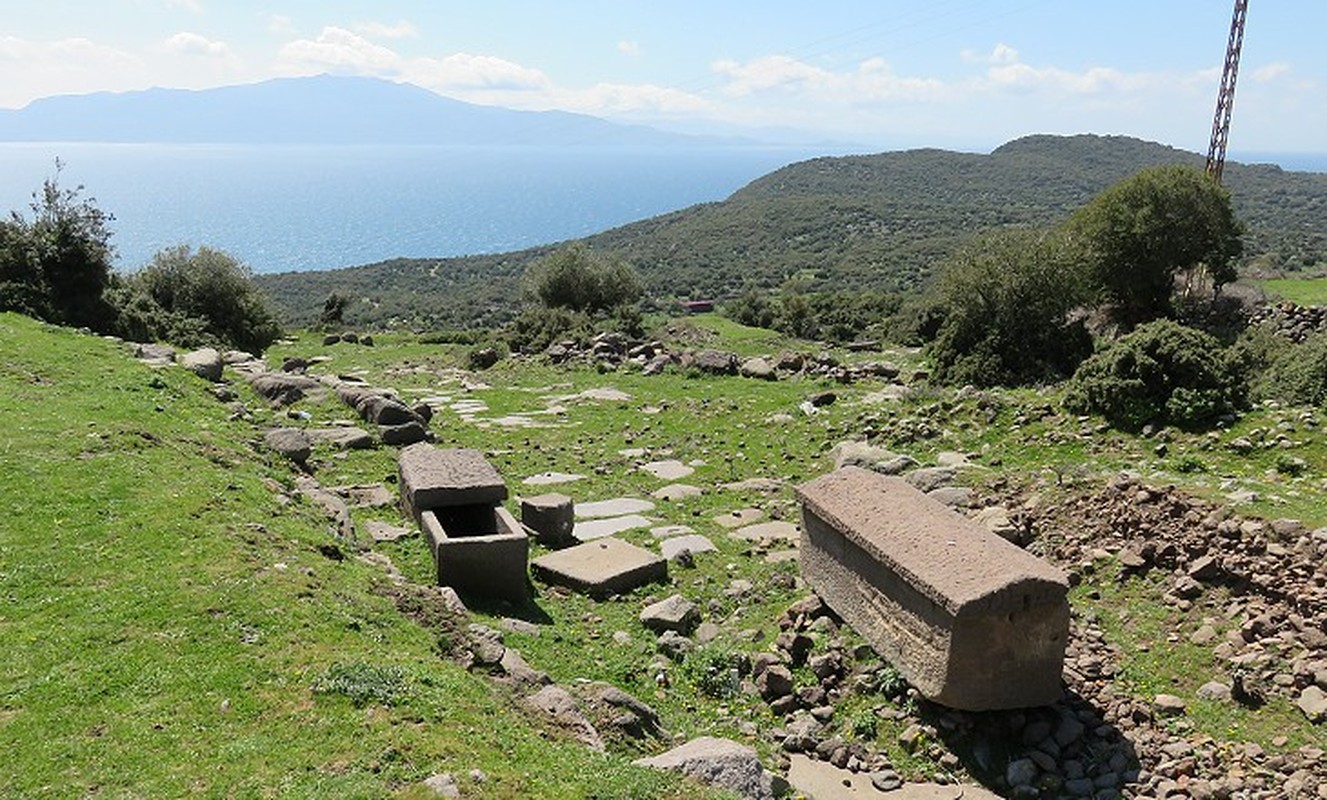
point(455, 495)
point(972, 621)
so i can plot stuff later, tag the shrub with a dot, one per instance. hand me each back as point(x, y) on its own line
point(1006, 300)
point(1162, 373)
point(194, 299)
point(57, 265)
point(580, 280)
point(1297, 375)
point(536, 327)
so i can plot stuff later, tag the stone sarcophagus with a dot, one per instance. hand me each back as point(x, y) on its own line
point(455, 495)
point(972, 621)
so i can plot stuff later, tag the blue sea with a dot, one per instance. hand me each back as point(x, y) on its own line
point(322, 207)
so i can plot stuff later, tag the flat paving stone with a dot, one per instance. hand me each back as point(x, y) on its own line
point(740, 518)
point(616, 507)
point(385, 532)
point(366, 495)
point(665, 531)
point(694, 542)
point(781, 556)
point(551, 478)
point(600, 568)
point(670, 470)
point(768, 532)
point(599, 528)
point(819, 780)
point(674, 492)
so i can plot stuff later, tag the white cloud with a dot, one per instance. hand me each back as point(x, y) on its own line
point(629, 47)
point(188, 5)
point(1271, 72)
point(339, 50)
point(873, 80)
point(195, 44)
point(379, 30)
point(461, 71)
point(31, 69)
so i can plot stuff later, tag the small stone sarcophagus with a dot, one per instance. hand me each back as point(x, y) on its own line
point(972, 621)
point(455, 495)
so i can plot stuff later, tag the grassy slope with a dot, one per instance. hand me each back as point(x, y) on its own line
point(165, 617)
point(138, 566)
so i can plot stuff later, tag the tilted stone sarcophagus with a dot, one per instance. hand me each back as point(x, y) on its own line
point(969, 619)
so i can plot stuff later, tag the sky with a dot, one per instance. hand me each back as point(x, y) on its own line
point(888, 74)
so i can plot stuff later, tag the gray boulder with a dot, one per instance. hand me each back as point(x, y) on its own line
point(282, 388)
point(716, 362)
point(292, 443)
point(722, 763)
point(758, 368)
point(674, 613)
point(206, 363)
point(403, 434)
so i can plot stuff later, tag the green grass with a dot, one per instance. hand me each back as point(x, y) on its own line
point(168, 619)
point(172, 627)
point(1304, 291)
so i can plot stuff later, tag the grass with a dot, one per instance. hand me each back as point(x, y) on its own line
point(172, 626)
point(1304, 291)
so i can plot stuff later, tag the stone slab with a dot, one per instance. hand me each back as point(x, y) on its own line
point(552, 478)
point(740, 517)
point(599, 528)
point(616, 507)
point(969, 619)
point(600, 568)
point(669, 548)
point(551, 517)
point(674, 492)
point(819, 780)
point(381, 531)
point(665, 531)
point(776, 531)
point(434, 477)
point(670, 470)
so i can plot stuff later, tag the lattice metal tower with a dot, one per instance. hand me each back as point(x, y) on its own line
point(1225, 100)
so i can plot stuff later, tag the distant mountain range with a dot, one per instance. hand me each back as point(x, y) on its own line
point(836, 223)
point(317, 110)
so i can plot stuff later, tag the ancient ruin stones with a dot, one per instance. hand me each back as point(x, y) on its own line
point(550, 517)
point(589, 530)
point(673, 613)
point(972, 621)
point(205, 363)
point(432, 477)
point(292, 443)
point(717, 762)
point(282, 388)
point(672, 547)
point(615, 507)
point(670, 470)
point(601, 568)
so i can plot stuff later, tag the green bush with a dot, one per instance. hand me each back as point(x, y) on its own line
point(1162, 373)
point(56, 266)
point(195, 299)
point(577, 279)
point(1007, 300)
point(536, 327)
point(1297, 374)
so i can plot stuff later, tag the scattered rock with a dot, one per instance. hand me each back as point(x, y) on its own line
point(674, 613)
point(1313, 702)
point(206, 363)
point(717, 762)
point(292, 443)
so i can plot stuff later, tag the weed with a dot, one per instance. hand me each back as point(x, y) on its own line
point(363, 683)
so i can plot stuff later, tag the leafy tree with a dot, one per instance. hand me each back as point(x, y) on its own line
point(578, 279)
point(1006, 300)
point(1162, 373)
point(195, 298)
point(57, 265)
point(1142, 232)
point(334, 309)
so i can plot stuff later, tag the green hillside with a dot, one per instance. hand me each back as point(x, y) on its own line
point(874, 221)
